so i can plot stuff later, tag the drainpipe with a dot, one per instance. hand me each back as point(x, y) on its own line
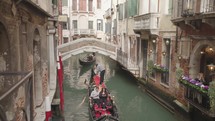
point(176, 41)
point(117, 19)
point(111, 20)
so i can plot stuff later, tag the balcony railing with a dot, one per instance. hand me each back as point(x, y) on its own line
point(148, 21)
point(210, 8)
point(83, 32)
point(197, 94)
point(16, 97)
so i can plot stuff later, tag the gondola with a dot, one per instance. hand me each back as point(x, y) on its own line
point(102, 111)
point(87, 60)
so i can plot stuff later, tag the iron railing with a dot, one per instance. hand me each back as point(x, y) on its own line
point(16, 96)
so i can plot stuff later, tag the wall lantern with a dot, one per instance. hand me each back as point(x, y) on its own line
point(153, 41)
point(211, 67)
point(209, 50)
point(167, 42)
point(179, 57)
point(163, 53)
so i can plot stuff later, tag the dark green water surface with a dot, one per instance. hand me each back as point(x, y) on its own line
point(133, 104)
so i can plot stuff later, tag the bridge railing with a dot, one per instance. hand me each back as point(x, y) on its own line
point(16, 96)
point(83, 32)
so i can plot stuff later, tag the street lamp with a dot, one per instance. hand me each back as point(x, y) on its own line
point(211, 67)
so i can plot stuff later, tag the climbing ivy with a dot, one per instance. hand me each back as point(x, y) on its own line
point(179, 73)
point(211, 93)
point(150, 67)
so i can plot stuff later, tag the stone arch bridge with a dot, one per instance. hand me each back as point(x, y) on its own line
point(88, 45)
point(94, 45)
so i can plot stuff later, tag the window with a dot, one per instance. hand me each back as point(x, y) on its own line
point(90, 24)
point(170, 9)
point(153, 56)
point(75, 24)
point(65, 2)
point(154, 51)
point(82, 5)
point(115, 27)
point(74, 4)
point(98, 4)
point(99, 24)
point(166, 60)
point(207, 5)
point(65, 40)
point(54, 2)
point(125, 9)
point(90, 5)
point(189, 4)
point(120, 11)
point(64, 24)
point(107, 28)
point(165, 78)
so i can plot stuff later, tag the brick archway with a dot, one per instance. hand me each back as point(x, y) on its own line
point(195, 57)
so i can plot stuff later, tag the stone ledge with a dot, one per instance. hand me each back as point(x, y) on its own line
point(181, 105)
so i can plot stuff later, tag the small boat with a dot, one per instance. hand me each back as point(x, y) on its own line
point(87, 60)
point(103, 111)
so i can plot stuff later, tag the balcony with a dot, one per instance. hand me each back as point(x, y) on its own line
point(197, 95)
point(108, 13)
point(194, 18)
point(83, 32)
point(147, 22)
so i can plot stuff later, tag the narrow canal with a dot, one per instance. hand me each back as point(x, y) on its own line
point(133, 104)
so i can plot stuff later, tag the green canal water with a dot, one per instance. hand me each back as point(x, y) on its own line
point(133, 104)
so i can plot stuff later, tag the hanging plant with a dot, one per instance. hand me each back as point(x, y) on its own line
point(150, 67)
point(160, 68)
point(194, 84)
point(179, 73)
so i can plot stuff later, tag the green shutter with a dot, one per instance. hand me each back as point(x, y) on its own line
point(132, 7)
point(125, 9)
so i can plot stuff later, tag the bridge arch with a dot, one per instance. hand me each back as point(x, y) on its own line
point(87, 45)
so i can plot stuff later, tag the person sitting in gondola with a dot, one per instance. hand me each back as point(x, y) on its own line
point(94, 96)
point(109, 105)
point(103, 97)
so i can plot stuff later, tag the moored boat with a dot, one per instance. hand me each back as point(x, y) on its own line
point(87, 60)
point(101, 110)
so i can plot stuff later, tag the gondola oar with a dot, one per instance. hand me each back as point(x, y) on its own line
point(82, 102)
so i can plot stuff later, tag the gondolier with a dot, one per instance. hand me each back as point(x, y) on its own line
point(101, 71)
point(88, 59)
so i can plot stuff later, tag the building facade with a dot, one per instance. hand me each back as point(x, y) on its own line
point(119, 23)
point(85, 19)
point(156, 50)
point(195, 46)
point(27, 58)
